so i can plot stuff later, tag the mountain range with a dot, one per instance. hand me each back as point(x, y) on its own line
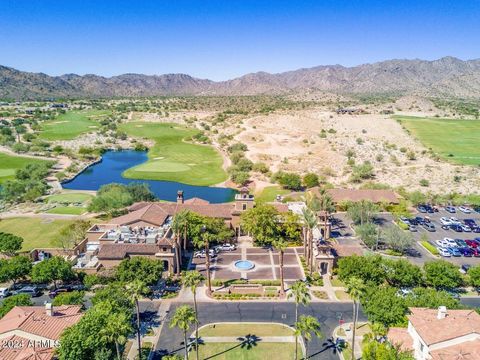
point(447, 76)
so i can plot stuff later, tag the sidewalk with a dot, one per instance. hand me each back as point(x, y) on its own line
point(162, 315)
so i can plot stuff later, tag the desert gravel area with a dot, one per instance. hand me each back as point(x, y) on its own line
point(291, 141)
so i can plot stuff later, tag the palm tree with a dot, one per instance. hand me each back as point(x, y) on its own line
point(177, 228)
point(327, 206)
point(355, 288)
point(135, 290)
point(182, 319)
point(116, 330)
point(281, 245)
point(206, 238)
point(301, 295)
point(310, 221)
point(306, 327)
point(192, 279)
point(181, 218)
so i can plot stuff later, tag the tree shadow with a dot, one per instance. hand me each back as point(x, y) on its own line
point(335, 345)
point(247, 342)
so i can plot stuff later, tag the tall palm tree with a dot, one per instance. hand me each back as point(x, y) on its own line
point(355, 288)
point(182, 220)
point(327, 206)
point(177, 228)
point(306, 327)
point(135, 290)
point(206, 239)
point(301, 295)
point(116, 330)
point(182, 319)
point(192, 279)
point(310, 221)
point(281, 245)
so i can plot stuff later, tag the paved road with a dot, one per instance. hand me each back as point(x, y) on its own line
point(327, 313)
point(471, 301)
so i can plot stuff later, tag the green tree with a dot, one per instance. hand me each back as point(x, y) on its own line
point(135, 290)
point(69, 298)
point(12, 301)
point(301, 295)
point(362, 211)
point(327, 206)
point(383, 305)
point(369, 234)
point(15, 268)
point(192, 279)
point(9, 243)
point(402, 273)
point(310, 222)
point(442, 275)
point(54, 269)
point(373, 350)
point(310, 180)
point(431, 298)
point(290, 181)
point(369, 268)
point(71, 235)
point(149, 271)
point(261, 222)
point(355, 288)
point(183, 317)
point(397, 239)
point(474, 275)
point(307, 326)
point(116, 331)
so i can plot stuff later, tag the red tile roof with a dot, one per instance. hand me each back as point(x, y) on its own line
point(400, 337)
point(468, 350)
point(34, 320)
point(433, 330)
point(23, 349)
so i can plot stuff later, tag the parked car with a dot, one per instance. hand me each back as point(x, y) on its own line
point(429, 209)
point(450, 242)
point(4, 292)
point(404, 220)
point(412, 228)
point(52, 294)
point(470, 222)
point(464, 268)
point(461, 243)
point(472, 243)
point(199, 254)
point(466, 252)
point(456, 228)
point(422, 209)
point(29, 290)
point(444, 252)
point(413, 252)
point(465, 209)
point(475, 252)
point(450, 209)
point(228, 247)
point(441, 243)
point(445, 221)
point(466, 228)
point(429, 227)
point(454, 251)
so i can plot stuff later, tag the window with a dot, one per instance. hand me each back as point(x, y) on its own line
point(164, 249)
point(244, 206)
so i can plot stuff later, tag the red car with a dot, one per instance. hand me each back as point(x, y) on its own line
point(472, 244)
point(476, 252)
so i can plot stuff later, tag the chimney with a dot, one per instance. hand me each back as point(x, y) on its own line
point(180, 198)
point(442, 312)
point(49, 309)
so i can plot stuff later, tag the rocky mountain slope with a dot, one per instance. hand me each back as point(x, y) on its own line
point(447, 76)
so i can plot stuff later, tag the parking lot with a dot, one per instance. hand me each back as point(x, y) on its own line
point(440, 233)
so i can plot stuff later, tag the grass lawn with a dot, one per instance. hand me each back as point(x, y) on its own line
point(69, 198)
point(242, 329)
point(233, 351)
point(9, 164)
point(68, 210)
point(36, 232)
point(341, 295)
point(336, 282)
point(452, 139)
point(173, 159)
point(269, 193)
point(71, 124)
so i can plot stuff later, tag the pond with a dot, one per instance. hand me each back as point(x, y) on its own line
point(114, 163)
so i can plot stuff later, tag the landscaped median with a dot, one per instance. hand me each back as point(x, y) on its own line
point(250, 341)
point(429, 247)
point(246, 290)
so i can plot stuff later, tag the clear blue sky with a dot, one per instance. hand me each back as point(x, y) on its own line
point(222, 39)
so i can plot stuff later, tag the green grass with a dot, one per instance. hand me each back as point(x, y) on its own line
point(270, 193)
point(233, 351)
point(69, 198)
point(71, 124)
point(452, 139)
point(9, 164)
point(68, 210)
point(36, 232)
point(242, 329)
point(173, 159)
point(336, 282)
point(432, 249)
point(341, 295)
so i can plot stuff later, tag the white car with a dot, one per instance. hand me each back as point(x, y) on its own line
point(455, 221)
point(466, 228)
point(450, 242)
point(444, 252)
point(227, 247)
point(465, 209)
point(445, 221)
point(4, 292)
point(199, 254)
point(441, 243)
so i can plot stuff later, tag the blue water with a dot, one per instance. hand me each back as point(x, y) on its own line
point(114, 163)
point(244, 264)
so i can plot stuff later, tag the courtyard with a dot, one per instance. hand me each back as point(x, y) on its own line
point(266, 261)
